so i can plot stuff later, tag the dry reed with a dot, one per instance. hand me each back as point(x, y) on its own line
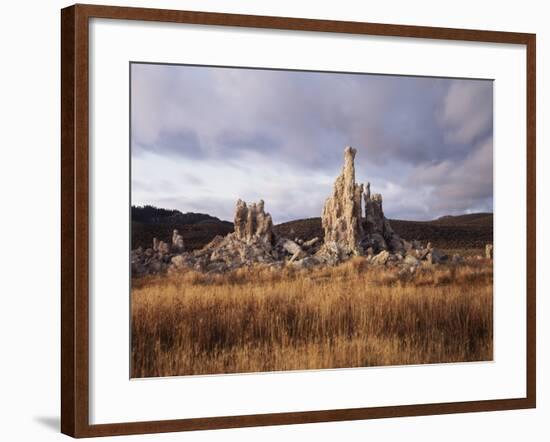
point(352, 315)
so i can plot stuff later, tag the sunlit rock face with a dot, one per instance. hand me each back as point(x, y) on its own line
point(341, 217)
point(347, 231)
point(252, 223)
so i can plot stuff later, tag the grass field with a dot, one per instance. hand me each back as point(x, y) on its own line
point(352, 315)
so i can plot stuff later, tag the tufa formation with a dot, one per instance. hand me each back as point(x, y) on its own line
point(252, 224)
point(341, 218)
point(378, 232)
point(348, 231)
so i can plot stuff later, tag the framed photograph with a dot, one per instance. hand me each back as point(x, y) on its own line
point(272, 221)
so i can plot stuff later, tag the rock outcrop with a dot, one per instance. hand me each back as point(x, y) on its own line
point(378, 232)
point(347, 233)
point(341, 217)
point(150, 261)
point(252, 224)
point(252, 242)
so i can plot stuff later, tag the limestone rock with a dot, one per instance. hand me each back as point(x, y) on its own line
point(179, 261)
point(163, 248)
point(298, 256)
point(290, 246)
point(378, 231)
point(396, 245)
point(253, 223)
point(212, 245)
point(341, 217)
point(436, 257)
point(422, 253)
point(250, 243)
point(177, 241)
point(374, 241)
point(489, 251)
point(156, 267)
point(312, 242)
point(346, 233)
point(305, 263)
point(374, 214)
point(382, 258)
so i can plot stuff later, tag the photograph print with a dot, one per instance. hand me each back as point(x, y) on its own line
point(307, 220)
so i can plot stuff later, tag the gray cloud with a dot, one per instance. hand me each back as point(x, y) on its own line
point(181, 142)
point(468, 112)
point(458, 187)
point(234, 139)
point(420, 140)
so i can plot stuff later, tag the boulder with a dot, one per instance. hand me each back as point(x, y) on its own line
point(290, 246)
point(396, 244)
point(163, 248)
point(156, 267)
point(138, 269)
point(297, 256)
point(311, 242)
point(436, 257)
point(382, 258)
point(374, 241)
point(178, 261)
point(305, 263)
point(216, 267)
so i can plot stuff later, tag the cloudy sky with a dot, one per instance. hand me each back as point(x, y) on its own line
point(202, 137)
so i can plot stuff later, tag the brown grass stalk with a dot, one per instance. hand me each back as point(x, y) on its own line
point(353, 315)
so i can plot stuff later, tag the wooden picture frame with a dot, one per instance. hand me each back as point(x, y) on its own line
point(75, 219)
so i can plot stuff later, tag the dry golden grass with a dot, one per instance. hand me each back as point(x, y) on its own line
point(353, 315)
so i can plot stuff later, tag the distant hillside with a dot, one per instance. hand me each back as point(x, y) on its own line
point(195, 235)
point(197, 229)
point(304, 228)
point(481, 219)
point(155, 215)
point(470, 231)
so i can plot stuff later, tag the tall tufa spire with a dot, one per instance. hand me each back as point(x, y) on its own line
point(341, 218)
